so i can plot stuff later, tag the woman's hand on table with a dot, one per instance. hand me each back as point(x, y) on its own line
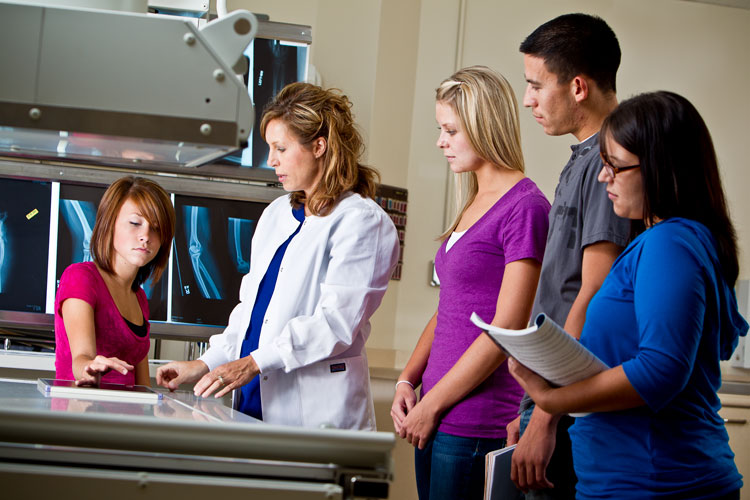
point(175, 373)
point(227, 377)
point(93, 371)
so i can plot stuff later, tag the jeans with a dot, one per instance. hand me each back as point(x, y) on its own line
point(452, 467)
point(560, 470)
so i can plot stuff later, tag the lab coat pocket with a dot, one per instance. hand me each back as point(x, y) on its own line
point(336, 393)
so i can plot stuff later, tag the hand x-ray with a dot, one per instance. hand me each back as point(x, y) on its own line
point(78, 205)
point(211, 254)
point(24, 244)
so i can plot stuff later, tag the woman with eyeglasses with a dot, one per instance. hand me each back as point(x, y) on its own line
point(662, 320)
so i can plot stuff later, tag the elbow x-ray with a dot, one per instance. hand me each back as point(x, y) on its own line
point(78, 205)
point(24, 244)
point(211, 254)
point(75, 224)
point(79, 217)
point(272, 65)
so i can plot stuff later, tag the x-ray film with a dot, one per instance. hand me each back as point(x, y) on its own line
point(273, 64)
point(24, 244)
point(211, 254)
point(78, 205)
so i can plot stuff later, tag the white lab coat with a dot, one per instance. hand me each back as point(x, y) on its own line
point(311, 353)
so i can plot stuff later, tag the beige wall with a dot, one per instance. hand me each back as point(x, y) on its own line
point(389, 55)
point(694, 49)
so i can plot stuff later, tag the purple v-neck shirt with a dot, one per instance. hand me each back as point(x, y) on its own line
point(470, 275)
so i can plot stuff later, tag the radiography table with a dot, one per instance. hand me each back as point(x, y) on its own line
point(182, 447)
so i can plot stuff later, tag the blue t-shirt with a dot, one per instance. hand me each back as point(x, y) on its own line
point(666, 314)
point(250, 403)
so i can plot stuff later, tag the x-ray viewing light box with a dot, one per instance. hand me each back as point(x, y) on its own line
point(46, 226)
point(278, 55)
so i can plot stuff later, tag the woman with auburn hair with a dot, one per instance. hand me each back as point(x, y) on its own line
point(489, 262)
point(101, 311)
point(663, 319)
point(319, 267)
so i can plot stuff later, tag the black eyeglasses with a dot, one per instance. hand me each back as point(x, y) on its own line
point(611, 169)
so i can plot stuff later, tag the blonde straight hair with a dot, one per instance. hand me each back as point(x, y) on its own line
point(486, 105)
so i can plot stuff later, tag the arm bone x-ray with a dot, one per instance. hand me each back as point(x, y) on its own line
point(205, 282)
point(80, 216)
point(241, 230)
point(3, 215)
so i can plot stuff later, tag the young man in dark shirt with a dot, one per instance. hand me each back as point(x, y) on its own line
point(570, 64)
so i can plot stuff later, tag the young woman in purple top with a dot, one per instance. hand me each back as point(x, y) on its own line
point(489, 262)
point(101, 312)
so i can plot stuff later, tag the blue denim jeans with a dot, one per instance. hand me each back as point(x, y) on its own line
point(560, 469)
point(452, 467)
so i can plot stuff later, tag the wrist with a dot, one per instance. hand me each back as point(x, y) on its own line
point(79, 364)
point(405, 382)
point(200, 366)
point(432, 404)
point(252, 366)
point(543, 418)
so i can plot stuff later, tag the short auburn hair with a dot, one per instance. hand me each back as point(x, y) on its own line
point(155, 206)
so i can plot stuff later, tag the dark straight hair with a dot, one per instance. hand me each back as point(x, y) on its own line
point(678, 165)
point(577, 44)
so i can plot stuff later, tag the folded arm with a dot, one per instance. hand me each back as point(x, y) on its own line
point(534, 449)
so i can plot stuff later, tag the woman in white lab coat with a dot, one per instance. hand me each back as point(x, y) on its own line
point(294, 348)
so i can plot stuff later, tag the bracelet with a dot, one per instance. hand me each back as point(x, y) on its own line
point(404, 382)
